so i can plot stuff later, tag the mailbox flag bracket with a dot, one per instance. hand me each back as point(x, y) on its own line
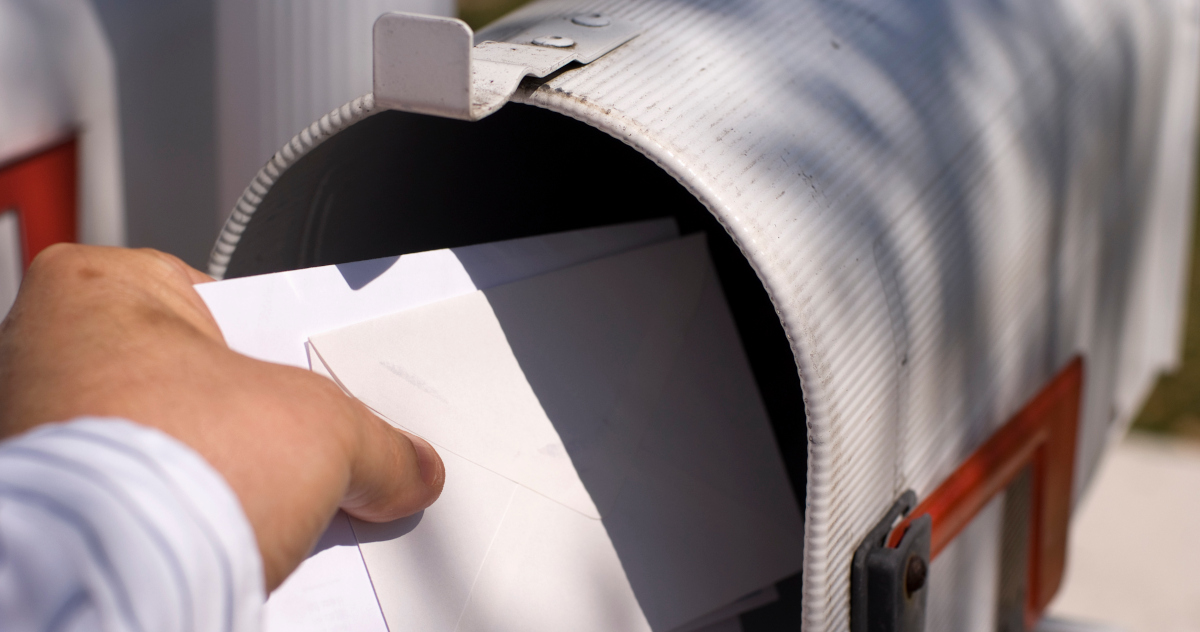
point(888, 583)
point(431, 65)
point(1041, 436)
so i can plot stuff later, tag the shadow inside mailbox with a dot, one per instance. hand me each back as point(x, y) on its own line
point(359, 273)
point(646, 384)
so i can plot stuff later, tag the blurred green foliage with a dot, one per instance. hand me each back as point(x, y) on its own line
point(1173, 408)
point(480, 13)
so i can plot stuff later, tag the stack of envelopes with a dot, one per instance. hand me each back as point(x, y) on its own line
point(609, 464)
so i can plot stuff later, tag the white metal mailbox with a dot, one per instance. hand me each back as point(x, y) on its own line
point(927, 208)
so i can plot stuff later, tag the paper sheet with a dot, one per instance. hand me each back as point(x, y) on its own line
point(626, 372)
point(270, 317)
point(448, 371)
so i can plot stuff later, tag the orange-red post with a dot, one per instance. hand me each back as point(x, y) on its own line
point(1041, 435)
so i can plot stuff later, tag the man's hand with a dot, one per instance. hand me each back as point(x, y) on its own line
point(114, 332)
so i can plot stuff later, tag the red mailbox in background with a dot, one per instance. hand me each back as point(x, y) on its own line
point(60, 159)
point(39, 195)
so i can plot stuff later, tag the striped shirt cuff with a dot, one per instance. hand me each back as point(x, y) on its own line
point(105, 524)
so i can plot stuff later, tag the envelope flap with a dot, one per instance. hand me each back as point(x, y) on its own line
point(550, 381)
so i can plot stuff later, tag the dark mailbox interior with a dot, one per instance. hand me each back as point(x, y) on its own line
point(398, 183)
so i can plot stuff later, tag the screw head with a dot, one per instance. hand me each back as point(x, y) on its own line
point(915, 574)
point(594, 20)
point(554, 41)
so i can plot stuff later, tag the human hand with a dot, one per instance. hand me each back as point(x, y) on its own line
point(122, 333)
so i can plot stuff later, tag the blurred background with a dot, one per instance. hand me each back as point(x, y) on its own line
point(152, 116)
point(1133, 563)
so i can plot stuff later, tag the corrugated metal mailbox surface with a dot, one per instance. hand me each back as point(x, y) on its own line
point(945, 200)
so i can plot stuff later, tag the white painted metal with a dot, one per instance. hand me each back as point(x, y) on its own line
point(945, 200)
point(281, 64)
point(266, 177)
point(423, 64)
point(430, 65)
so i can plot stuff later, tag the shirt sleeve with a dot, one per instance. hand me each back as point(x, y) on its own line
point(108, 525)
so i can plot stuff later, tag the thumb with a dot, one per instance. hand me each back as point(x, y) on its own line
point(394, 474)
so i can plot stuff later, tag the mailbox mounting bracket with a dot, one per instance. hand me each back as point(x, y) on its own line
point(430, 65)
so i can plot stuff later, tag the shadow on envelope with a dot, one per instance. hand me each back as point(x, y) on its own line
point(658, 410)
point(609, 462)
point(383, 531)
point(359, 273)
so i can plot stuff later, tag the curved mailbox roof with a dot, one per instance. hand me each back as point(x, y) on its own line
point(945, 200)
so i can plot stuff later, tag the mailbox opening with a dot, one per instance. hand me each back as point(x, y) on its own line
point(397, 183)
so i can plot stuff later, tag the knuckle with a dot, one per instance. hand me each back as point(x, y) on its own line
point(58, 257)
point(157, 256)
point(71, 263)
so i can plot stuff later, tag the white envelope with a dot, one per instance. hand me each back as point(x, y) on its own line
point(270, 317)
point(609, 463)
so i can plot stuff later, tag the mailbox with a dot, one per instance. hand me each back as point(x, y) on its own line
point(921, 213)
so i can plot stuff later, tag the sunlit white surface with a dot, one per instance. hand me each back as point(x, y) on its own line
point(1133, 560)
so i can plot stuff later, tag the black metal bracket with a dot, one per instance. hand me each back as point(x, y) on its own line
point(888, 586)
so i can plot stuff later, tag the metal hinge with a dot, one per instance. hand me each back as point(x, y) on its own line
point(429, 65)
point(888, 584)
